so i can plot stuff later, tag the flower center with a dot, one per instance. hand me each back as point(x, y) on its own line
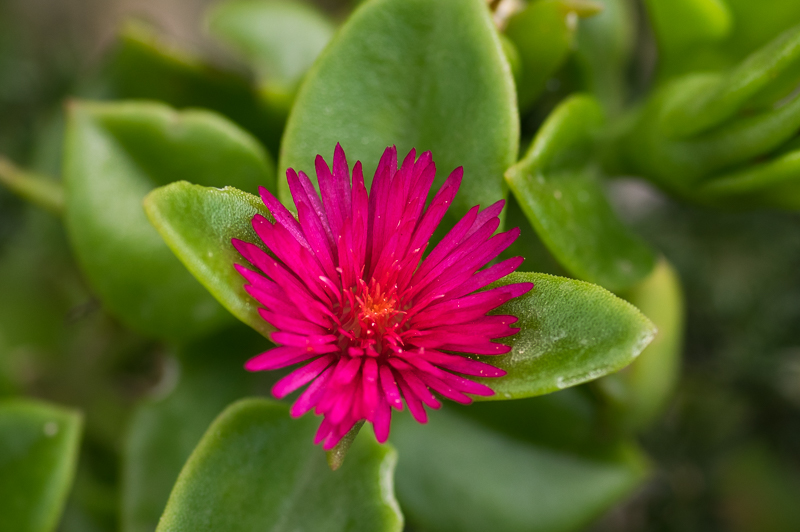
point(372, 322)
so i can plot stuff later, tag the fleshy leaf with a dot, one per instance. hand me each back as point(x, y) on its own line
point(682, 26)
point(544, 34)
point(38, 455)
point(651, 379)
point(606, 43)
point(774, 184)
point(256, 469)
point(281, 39)
point(415, 74)
point(558, 188)
point(144, 66)
point(114, 155)
point(455, 474)
point(198, 224)
point(164, 431)
point(571, 332)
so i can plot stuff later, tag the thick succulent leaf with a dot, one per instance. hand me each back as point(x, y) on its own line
point(681, 25)
point(415, 74)
point(773, 184)
point(457, 475)
point(257, 469)
point(651, 379)
point(279, 38)
point(38, 455)
point(144, 66)
point(560, 192)
point(198, 224)
point(544, 36)
point(164, 431)
point(723, 96)
point(114, 155)
point(605, 47)
point(571, 332)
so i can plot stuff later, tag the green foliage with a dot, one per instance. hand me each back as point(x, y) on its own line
point(198, 224)
point(650, 381)
point(114, 155)
point(254, 468)
point(144, 66)
point(457, 475)
point(558, 187)
point(544, 34)
point(280, 38)
point(709, 137)
point(163, 431)
point(38, 454)
point(571, 332)
point(380, 83)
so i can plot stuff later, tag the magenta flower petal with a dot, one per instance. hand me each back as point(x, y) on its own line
point(374, 322)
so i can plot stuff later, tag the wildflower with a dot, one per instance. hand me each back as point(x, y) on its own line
point(350, 294)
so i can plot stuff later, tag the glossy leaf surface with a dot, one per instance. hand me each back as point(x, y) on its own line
point(198, 224)
point(279, 38)
point(559, 190)
point(415, 74)
point(115, 154)
point(457, 475)
point(571, 332)
point(38, 456)
point(256, 468)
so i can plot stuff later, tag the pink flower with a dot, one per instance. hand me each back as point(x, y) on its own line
point(352, 297)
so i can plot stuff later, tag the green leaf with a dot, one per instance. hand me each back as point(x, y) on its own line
point(198, 224)
point(720, 97)
point(415, 74)
point(559, 190)
point(114, 155)
point(682, 24)
point(605, 48)
point(38, 455)
point(281, 39)
point(544, 34)
point(774, 184)
point(651, 379)
point(144, 66)
point(456, 475)
point(257, 469)
point(701, 126)
point(164, 431)
point(571, 332)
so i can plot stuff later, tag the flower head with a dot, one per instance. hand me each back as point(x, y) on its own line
point(354, 298)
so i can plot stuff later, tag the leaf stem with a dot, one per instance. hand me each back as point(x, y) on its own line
point(40, 190)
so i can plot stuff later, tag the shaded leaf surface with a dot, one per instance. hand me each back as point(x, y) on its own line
point(115, 154)
point(163, 432)
point(256, 468)
point(144, 66)
point(456, 475)
point(38, 455)
point(280, 38)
